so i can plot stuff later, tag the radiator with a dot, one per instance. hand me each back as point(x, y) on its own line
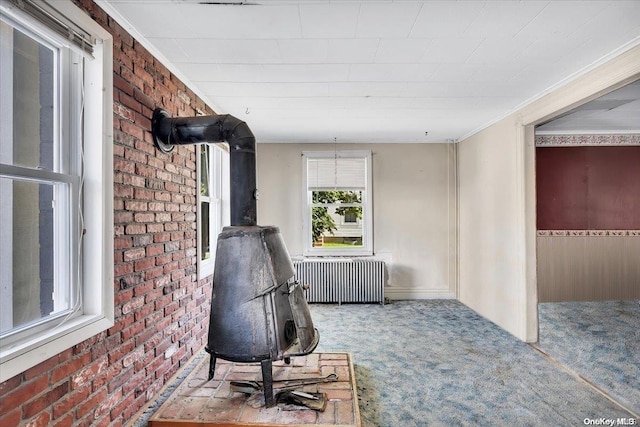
point(341, 280)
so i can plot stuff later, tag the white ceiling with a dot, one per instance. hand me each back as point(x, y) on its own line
point(615, 112)
point(377, 70)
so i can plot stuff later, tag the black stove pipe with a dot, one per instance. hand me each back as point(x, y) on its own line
point(168, 132)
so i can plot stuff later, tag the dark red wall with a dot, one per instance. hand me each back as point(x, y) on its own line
point(588, 188)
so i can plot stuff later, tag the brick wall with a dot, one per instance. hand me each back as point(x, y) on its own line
point(161, 308)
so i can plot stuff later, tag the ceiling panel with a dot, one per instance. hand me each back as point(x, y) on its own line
point(451, 50)
point(401, 51)
point(504, 18)
point(241, 22)
point(352, 51)
point(391, 72)
point(248, 51)
point(314, 70)
point(386, 20)
point(445, 18)
point(331, 20)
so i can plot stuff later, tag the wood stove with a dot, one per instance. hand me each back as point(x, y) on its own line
point(258, 313)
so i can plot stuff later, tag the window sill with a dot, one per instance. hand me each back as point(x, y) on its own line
point(31, 351)
point(346, 253)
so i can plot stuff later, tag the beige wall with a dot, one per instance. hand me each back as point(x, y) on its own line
point(588, 267)
point(496, 190)
point(413, 210)
point(491, 227)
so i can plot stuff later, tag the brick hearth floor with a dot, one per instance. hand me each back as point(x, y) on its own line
point(199, 402)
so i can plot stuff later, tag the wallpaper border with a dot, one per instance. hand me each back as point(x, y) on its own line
point(590, 233)
point(584, 140)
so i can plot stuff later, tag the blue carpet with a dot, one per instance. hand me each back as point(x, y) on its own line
point(438, 363)
point(600, 341)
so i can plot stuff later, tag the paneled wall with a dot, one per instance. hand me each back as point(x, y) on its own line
point(588, 217)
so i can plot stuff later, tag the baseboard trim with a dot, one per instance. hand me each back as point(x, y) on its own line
point(395, 293)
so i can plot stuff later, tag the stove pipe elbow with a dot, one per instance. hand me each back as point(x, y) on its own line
point(168, 132)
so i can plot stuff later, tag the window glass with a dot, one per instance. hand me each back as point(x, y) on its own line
point(31, 73)
point(204, 170)
point(213, 203)
point(56, 209)
point(36, 217)
point(33, 290)
point(337, 211)
point(334, 219)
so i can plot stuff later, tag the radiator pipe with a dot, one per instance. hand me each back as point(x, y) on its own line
point(168, 132)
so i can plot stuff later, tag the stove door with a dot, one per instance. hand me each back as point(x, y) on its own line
point(308, 336)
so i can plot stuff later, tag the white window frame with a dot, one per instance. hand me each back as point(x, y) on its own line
point(367, 222)
point(93, 245)
point(218, 199)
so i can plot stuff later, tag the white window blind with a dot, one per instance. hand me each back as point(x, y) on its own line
point(46, 14)
point(343, 173)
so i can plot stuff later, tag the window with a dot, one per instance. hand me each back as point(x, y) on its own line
point(213, 203)
point(337, 211)
point(56, 214)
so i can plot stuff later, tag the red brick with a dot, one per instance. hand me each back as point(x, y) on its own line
point(106, 404)
point(134, 253)
point(42, 420)
point(144, 264)
point(153, 250)
point(143, 193)
point(132, 330)
point(22, 394)
point(132, 305)
point(136, 205)
point(123, 166)
point(142, 289)
point(163, 196)
point(122, 217)
point(135, 229)
point(70, 401)
point(133, 154)
point(42, 368)
point(120, 298)
point(163, 217)
point(67, 421)
point(12, 418)
point(123, 111)
point(344, 412)
point(86, 374)
point(91, 403)
point(122, 84)
point(131, 105)
point(123, 376)
point(122, 242)
point(122, 191)
point(155, 228)
point(154, 273)
point(131, 410)
point(44, 400)
point(10, 384)
point(133, 382)
point(124, 140)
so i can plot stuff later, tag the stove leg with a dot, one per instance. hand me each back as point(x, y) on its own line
point(212, 366)
point(267, 383)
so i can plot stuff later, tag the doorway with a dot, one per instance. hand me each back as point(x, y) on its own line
point(588, 242)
